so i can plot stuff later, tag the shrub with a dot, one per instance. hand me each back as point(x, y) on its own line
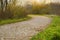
point(13, 12)
point(18, 12)
point(56, 37)
point(40, 9)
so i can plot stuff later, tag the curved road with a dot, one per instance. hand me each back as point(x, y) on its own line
point(24, 30)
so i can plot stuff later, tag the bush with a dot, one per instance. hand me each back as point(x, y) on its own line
point(13, 12)
point(40, 9)
point(18, 12)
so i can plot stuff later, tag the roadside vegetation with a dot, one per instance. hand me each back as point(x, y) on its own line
point(8, 21)
point(50, 33)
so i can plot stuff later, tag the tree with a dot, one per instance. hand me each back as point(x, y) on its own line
point(4, 4)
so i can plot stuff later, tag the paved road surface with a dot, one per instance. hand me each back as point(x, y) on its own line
point(24, 30)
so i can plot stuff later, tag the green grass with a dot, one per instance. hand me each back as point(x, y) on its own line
point(50, 33)
point(8, 21)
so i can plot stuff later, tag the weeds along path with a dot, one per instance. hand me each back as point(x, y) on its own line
point(24, 30)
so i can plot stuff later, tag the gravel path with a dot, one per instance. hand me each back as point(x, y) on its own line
point(24, 30)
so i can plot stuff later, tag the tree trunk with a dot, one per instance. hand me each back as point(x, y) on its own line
point(6, 3)
point(2, 6)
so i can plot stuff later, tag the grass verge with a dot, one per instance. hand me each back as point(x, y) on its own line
point(50, 33)
point(8, 21)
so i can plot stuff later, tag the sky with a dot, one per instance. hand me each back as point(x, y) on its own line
point(23, 2)
point(55, 0)
point(41, 0)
